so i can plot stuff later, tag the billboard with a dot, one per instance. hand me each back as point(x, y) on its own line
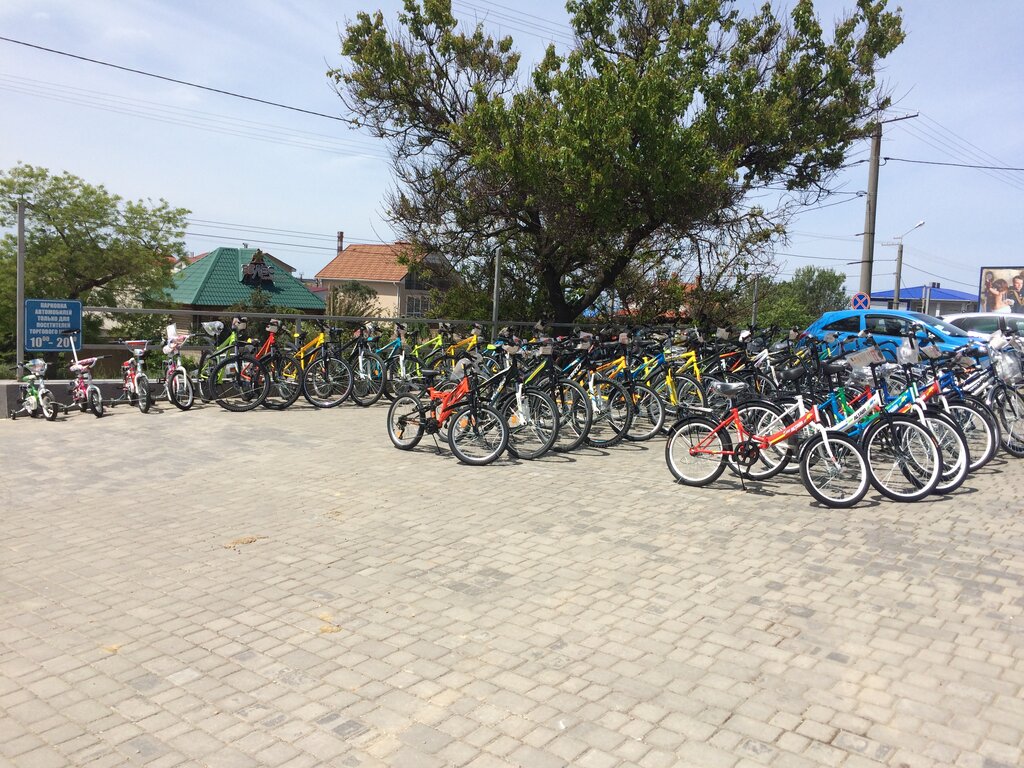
point(1001, 289)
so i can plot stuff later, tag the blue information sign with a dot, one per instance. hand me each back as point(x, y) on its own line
point(860, 301)
point(44, 321)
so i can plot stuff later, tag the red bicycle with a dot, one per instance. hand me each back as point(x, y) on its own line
point(477, 434)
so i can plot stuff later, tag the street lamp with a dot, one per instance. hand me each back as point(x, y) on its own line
point(898, 242)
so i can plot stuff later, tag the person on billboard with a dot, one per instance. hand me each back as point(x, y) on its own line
point(1015, 294)
point(986, 293)
point(998, 291)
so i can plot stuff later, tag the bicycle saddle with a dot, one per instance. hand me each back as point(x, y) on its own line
point(727, 388)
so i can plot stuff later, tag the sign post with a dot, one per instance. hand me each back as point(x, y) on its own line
point(44, 321)
point(860, 300)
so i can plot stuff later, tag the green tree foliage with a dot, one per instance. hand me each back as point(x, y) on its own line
point(84, 243)
point(353, 299)
point(801, 299)
point(648, 137)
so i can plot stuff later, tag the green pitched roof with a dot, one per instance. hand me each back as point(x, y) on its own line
point(216, 281)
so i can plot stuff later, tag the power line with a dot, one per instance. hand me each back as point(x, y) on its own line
point(172, 79)
point(275, 231)
point(955, 165)
point(941, 277)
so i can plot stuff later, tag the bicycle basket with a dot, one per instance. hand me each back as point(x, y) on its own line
point(865, 357)
point(1008, 367)
point(907, 353)
point(931, 352)
point(137, 346)
point(274, 326)
point(213, 328)
point(36, 366)
point(722, 333)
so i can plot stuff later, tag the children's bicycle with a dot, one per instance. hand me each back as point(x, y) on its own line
point(134, 382)
point(178, 387)
point(33, 396)
point(84, 394)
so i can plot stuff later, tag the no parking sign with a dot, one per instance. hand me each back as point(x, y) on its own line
point(860, 300)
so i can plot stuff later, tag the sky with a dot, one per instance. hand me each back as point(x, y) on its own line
point(288, 182)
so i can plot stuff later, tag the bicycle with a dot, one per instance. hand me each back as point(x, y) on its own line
point(84, 394)
point(178, 387)
point(33, 396)
point(283, 370)
point(134, 382)
point(239, 382)
point(477, 434)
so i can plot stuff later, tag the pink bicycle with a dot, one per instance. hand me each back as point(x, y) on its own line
point(134, 382)
point(84, 393)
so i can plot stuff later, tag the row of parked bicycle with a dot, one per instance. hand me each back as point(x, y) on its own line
point(840, 415)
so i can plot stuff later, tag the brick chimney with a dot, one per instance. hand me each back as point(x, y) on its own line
point(341, 241)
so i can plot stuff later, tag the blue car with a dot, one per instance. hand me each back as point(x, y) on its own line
point(889, 327)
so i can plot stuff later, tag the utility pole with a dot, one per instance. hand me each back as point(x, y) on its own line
point(898, 242)
point(867, 258)
point(753, 312)
point(497, 294)
point(868, 251)
point(20, 290)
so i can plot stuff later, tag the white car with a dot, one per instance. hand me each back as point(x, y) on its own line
point(981, 325)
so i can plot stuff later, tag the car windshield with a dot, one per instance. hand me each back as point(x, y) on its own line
point(947, 328)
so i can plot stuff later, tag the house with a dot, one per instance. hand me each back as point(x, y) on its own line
point(386, 268)
point(228, 276)
point(931, 299)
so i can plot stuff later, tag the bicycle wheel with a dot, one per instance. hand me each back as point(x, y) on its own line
point(95, 400)
point(477, 434)
point(406, 422)
point(47, 406)
point(180, 390)
point(903, 458)
point(762, 418)
point(368, 382)
point(142, 396)
point(574, 415)
point(239, 383)
point(956, 457)
point(980, 433)
point(834, 472)
point(689, 392)
point(285, 381)
point(327, 382)
point(695, 453)
point(1008, 406)
point(532, 420)
point(613, 413)
point(648, 413)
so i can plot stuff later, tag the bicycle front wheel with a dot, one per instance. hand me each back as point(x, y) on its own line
point(979, 431)
point(285, 381)
point(956, 456)
point(180, 390)
point(695, 452)
point(142, 396)
point(47, 406)
point(368, 384)
point(574, 415)
point(903, 458)
point(239, 383)
point(95, 400)
point(532, 420)
point(477, 434)
point(833, 470)
point(327, 382)
point(613, 413)
point(648, 413)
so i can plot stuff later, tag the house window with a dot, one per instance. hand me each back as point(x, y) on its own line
point(417, 305)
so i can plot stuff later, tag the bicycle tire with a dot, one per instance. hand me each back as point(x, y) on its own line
point(980, 433)
point(95, 400)
point(180, 391)
point(239, 383)
point(1008, 406)
point(575, 415)
point(477, 425)
point(834, 473)
point(762, 418)
point(327, 382)
point(903, 458)
point(285, 377)
point(532, 420)
point(613, 413)
point(368, 378)
point(401, 377)
point(695, 452)
point(648, 413)
point(956, 456)
point(406, 415)
point(47, 406)
point(143, 398)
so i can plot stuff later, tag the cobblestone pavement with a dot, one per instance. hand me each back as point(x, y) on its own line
point(287, 589)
